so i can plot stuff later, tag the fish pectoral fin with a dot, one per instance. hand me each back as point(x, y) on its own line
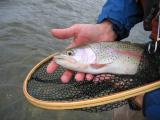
point(97, 66)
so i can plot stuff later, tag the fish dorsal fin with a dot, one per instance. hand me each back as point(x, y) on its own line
point(97, 66)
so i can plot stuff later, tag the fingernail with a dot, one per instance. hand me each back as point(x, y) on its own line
point(78, 78)
point(64, 79)
point(49, 68)
point(52, 31)
point(89, 78)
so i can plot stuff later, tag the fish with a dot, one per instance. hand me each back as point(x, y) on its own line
point(103, 57)
point(131, 65)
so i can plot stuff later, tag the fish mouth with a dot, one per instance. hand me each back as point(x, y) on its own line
point(64, 58)
point(68, 62)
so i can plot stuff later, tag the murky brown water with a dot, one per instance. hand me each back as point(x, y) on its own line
point(25, 40)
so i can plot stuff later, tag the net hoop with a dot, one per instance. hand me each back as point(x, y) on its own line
point(84, 103)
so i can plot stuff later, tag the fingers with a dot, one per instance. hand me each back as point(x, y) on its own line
point(72, 45)
point(78, 41)
point(64, 33)
point(52, 67)
point(89, 77)
point(67, 76)
point(79, 76)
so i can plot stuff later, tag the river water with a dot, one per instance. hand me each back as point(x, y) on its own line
point(25, 39)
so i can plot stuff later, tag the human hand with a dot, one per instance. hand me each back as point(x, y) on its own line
point(82, 34)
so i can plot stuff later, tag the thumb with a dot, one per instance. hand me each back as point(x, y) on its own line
point(63, 33)
point(78, 42)
point(72, 45)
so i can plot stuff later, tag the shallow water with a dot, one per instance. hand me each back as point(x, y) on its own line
point(25, 40)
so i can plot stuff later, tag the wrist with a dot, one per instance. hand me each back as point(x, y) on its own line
point(107, 29)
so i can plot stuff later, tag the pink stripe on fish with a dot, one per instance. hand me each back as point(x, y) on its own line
point(129, 53)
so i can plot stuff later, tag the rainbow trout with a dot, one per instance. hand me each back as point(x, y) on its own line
point(103, 57)
point(129, 66)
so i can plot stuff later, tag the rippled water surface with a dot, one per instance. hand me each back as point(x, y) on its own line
point(25, 40)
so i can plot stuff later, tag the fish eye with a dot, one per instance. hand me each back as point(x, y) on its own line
point(70, 52)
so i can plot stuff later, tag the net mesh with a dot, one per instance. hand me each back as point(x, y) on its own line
point(48, 87)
